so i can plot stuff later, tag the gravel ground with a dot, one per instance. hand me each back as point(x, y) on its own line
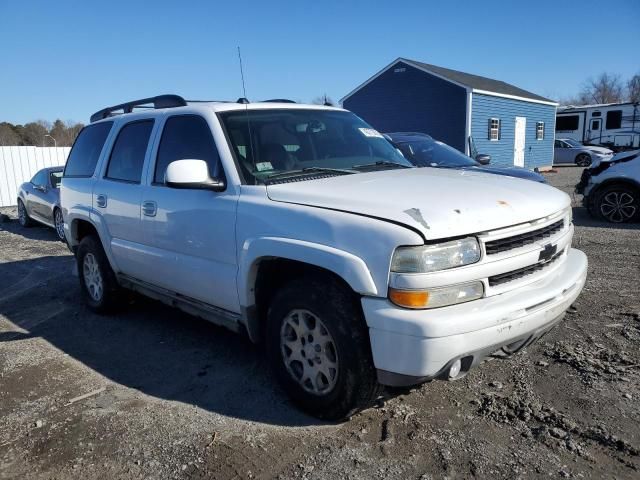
point(171, 396)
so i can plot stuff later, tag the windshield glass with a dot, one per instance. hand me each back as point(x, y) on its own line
point(55, 179)
point(573, 143)
point(428, 152)
point(269, 143)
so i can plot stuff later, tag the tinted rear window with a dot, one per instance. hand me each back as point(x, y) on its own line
point(86, 150)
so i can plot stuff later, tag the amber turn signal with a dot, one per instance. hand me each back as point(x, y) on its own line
point(409, 298)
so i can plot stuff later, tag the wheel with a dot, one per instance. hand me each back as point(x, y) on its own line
point(583, 160)
point(318, 345)
point(617, 203)
point(97, 280)
point(59, 223)
point(23, 216)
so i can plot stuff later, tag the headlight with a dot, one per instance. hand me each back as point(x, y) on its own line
point(437, 297)
point(431, 258)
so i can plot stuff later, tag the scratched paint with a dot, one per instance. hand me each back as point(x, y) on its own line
point(416, 214)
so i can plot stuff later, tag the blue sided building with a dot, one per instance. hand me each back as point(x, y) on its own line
point(476, 115)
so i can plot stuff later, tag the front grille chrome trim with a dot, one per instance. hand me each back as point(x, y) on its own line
point(523, 239)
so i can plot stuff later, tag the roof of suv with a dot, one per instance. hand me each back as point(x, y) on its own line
point(162, 103)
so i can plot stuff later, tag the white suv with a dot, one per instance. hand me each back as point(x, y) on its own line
point(303, 227)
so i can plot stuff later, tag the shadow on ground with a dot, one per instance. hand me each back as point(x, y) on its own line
point(147, 346)
point(36, 232)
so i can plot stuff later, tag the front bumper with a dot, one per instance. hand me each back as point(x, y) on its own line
point(411, 346)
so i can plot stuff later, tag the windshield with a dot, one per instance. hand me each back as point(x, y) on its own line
point(428, 152)
point(55, 179)
point(279, 142)
point(573, 143)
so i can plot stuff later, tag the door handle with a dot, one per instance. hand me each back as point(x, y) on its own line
point(149, 208)
point(101, 200)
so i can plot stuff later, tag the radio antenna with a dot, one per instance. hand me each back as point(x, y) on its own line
point(246, 110)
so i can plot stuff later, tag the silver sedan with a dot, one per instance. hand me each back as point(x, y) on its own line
point(39, 200)
point(567, 150)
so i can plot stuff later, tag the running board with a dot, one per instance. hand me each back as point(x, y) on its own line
point(218, 316)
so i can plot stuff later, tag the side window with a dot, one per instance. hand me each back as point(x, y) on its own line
point(186, 137)
point(557, 144)
point(614, 119)
point(567, 123)
point(40, 178)
point(86, 150)
point(127, 156)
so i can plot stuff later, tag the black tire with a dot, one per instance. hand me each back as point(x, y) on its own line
point(23, 217)
point(617, 203)
point(59, 233)
point(356, 385)
point(583, 160)
point(108, 299)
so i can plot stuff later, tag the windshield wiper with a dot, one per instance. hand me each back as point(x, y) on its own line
point(307, 170)
point(380, 164)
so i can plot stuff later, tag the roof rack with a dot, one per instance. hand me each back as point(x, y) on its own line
point(160, 101)
point(279, 100)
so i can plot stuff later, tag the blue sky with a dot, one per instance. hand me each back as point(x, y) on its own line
point(66, 59)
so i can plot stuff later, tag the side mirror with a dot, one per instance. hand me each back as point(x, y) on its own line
point(40, 188)
point(483, 159)
point(192, 174)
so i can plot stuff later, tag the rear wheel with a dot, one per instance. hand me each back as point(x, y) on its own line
point(23, 216)
point(618, 204)
point(318, 346)
point(59, 223)
point(97, 280)
point(583, 160)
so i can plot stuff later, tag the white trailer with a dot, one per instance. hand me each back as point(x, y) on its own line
point(612, 125)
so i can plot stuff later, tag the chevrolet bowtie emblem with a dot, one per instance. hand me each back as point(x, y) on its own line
point(547, 252)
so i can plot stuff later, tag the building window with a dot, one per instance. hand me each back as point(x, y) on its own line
point(494, 129)
point(614, 119)
point(539, 130)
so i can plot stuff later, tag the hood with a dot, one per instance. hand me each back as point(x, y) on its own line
point(599, 150)
point(437, 202)
point(517, 172)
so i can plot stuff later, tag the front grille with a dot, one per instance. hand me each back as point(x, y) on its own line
point(522, 272)
point(509, 243)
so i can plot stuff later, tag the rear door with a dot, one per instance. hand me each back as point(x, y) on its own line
point(117, 194)
point(190, 234)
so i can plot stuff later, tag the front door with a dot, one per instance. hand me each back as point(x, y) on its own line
point(190, 233)
point(595, 129)
point(519, 142)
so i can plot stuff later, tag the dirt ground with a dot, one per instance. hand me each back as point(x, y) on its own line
point(171, 396)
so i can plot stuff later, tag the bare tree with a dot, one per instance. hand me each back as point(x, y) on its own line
point(323, 100)
point(633, 88)
point(606, 88)
point(8, 136)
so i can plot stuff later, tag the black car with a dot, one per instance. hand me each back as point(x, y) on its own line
point(423, 151)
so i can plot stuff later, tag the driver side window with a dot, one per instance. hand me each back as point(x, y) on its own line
point(40, 179)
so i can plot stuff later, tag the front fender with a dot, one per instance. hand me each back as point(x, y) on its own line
point(347, 266)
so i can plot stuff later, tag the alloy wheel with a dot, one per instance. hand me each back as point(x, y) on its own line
point(583, 160)
point(309, 352)
point(59, 223)
point(22, 213)
point(618, 206)
point(92, 277)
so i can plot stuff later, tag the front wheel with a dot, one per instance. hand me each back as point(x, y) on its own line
point(23, 216)
point(583, 160)
point(618, 204)
point(318, 346)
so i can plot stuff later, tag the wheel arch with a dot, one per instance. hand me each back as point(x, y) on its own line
point(267, 263)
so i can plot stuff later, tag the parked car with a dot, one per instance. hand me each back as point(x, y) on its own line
point(39, 200)
point(612, 188)
point(423, 151)
point(567, 150)
point(304, 228)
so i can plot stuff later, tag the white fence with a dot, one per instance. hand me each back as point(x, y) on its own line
point(19, 164)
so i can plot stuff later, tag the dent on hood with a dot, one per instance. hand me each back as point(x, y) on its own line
point(416, 214)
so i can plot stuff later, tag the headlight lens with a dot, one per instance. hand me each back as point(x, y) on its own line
point(431, 258)
point(437, 297)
